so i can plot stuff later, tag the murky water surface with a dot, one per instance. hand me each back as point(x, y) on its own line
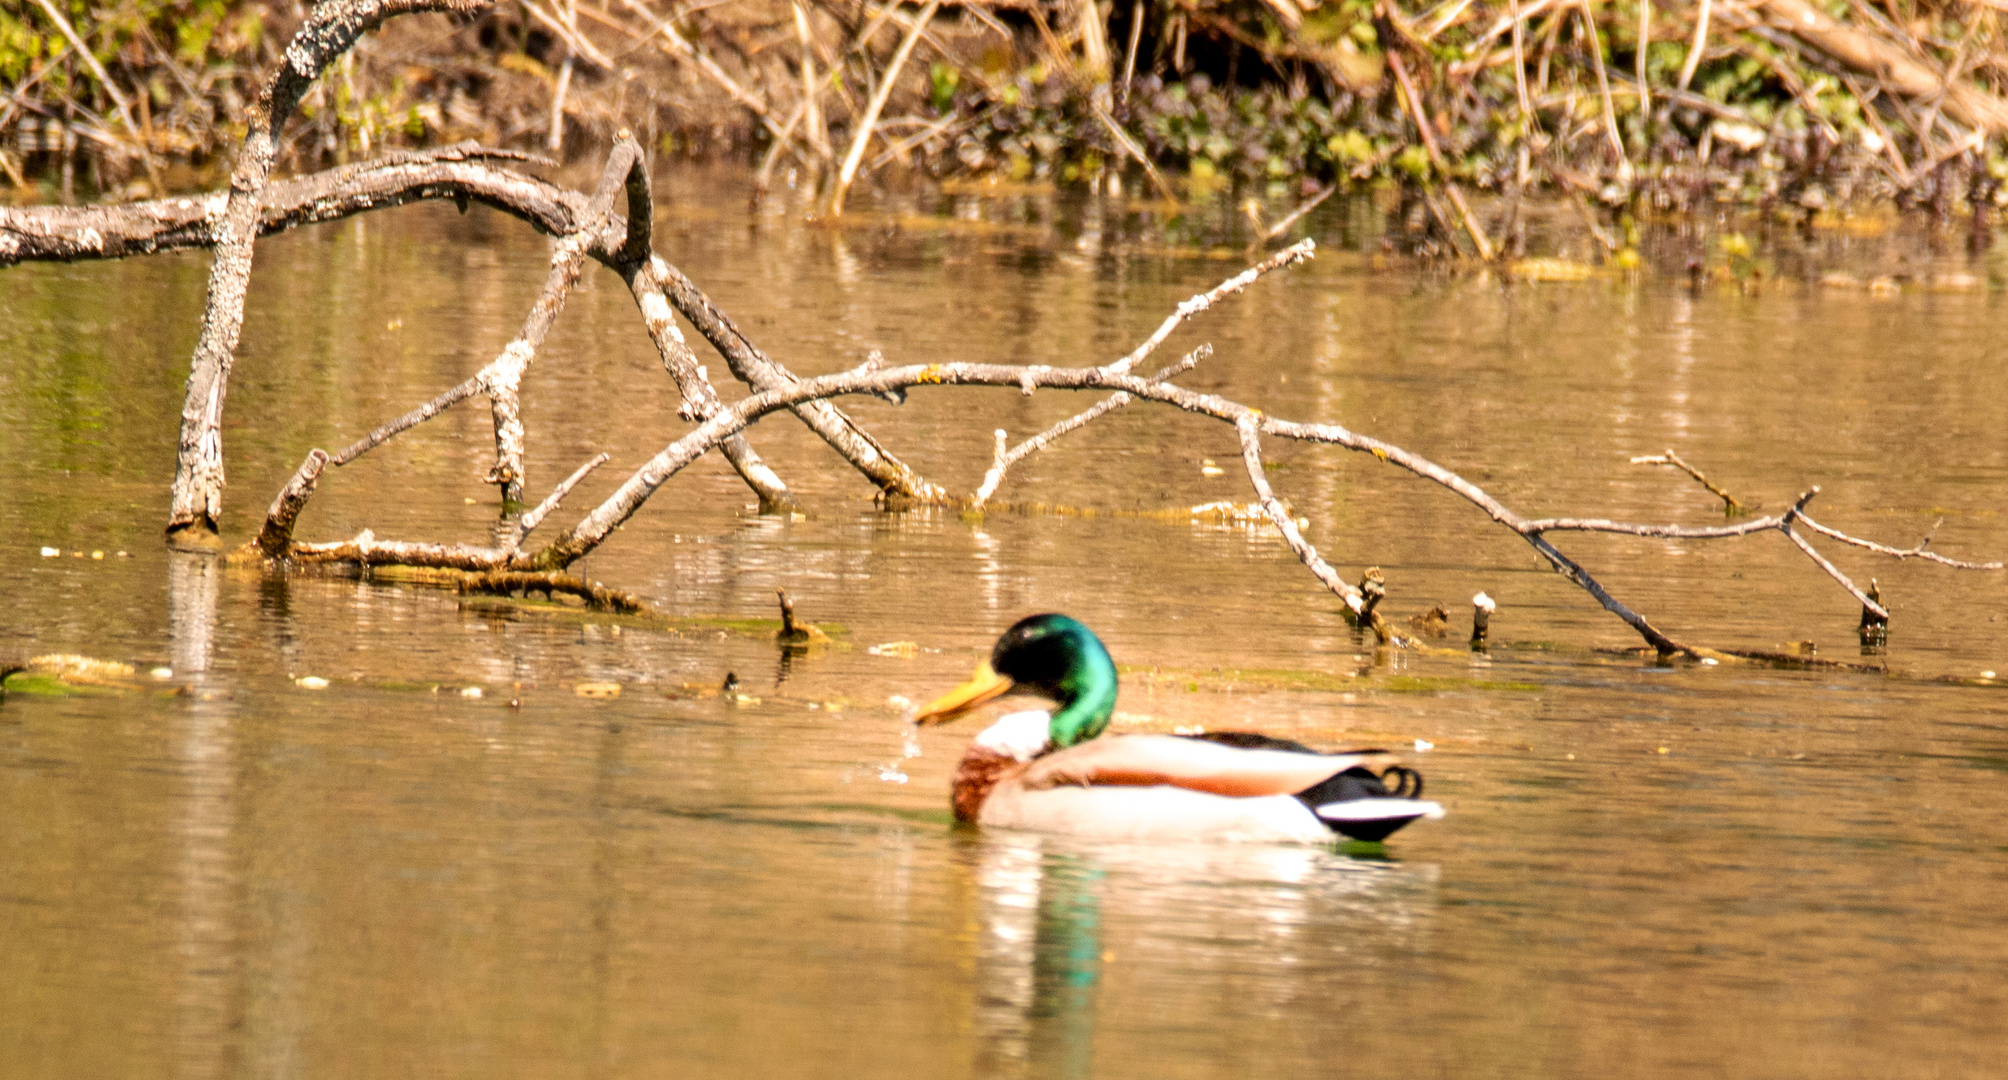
point(1647, 871)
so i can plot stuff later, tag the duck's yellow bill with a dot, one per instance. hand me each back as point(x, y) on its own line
point(984, 686)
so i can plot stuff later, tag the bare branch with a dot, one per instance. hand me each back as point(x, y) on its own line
point(596, 595)
point(1289, 256)
point(1128, 146)
point(277, 534)
point(502, 379)
point(1582, 579)
point(1835, 573)
point(597, 525)
point(625, 501)
point(625, 170)
point(1667, 532)
point(385, 432)
point(756, 370)
point(67, 233)
point(1005, 459)
point(535, 517)
point(700, 400)
point(1729, 503)
point(1251, 455)
point(456, 173)
point(1917, 552)
point(1282, 224)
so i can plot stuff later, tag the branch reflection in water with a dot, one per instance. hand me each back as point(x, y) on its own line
point(1061, 917)
point(205, 914)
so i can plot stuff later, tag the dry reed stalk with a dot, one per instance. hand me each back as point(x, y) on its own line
point(869, 121)
point(1695, 50)
point(1422, 124)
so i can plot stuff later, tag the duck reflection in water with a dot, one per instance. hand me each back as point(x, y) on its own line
point(1039, 964)
point(1276, 922)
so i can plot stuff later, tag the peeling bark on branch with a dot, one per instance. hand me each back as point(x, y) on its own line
point(158, 226)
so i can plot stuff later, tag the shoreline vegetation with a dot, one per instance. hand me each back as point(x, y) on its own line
point(1449, 114)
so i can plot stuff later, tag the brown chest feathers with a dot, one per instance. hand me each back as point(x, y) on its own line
point(978, 773)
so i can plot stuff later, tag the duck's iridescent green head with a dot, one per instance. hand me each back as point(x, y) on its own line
point(1051, 655)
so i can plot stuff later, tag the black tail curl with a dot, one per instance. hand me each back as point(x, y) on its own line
point(1359, 782)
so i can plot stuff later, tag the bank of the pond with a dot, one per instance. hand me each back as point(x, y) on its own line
point(1467, 108)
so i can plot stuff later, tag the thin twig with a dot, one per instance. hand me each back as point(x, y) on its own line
point(675, 44)
point(1527, 118)
point(812, 90)
point(575, 42)
point(1516, 15)
point(1295, 253)
point(1003, 460)
point(1422, 124)
point(535, 517)
point(1251, 455)
point(1916, 552)
point(1644, 47)
point(1128, 146)
point(1695, 50)
point(1834, 572)
point(1729, 503)
point(1604, 88)
point(869, 121)
point(1283, 223)
point(1129, 54)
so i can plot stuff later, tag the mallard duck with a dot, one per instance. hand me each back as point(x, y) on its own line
point(1055, 771)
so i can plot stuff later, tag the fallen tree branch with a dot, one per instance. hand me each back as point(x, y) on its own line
point(623, 241)
point(458, 173)
point(186, 223)
point(331, 28)
point(600, 523)
point(596, 595)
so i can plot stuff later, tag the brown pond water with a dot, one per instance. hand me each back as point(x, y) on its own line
point(1648, 871)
